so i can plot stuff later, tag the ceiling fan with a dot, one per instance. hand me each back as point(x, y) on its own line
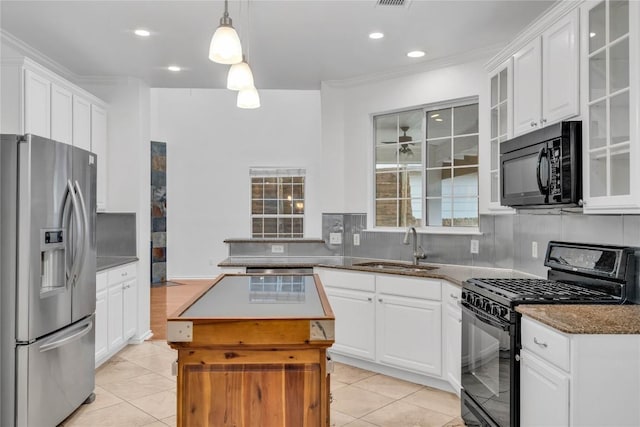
point(404, 141)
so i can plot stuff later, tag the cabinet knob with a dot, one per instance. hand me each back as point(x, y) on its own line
point(124, 274)
point(540, 343)
point(543, 120)
point(533, 123)
point(379, 299)
point(369, 299)
point(454, 296)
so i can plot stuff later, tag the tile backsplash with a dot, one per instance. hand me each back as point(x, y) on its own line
point(506, 240)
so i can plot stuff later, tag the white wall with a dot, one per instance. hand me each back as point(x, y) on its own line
point(211, 145)
point(129, 179)
point(354, 126)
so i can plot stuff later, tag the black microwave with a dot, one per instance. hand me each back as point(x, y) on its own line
point(543, 168)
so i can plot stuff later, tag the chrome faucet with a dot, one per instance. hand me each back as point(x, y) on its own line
point(417, 254)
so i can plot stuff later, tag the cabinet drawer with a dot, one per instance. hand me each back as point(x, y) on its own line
point(101, 281)
point(409, 287)
point(451, 294)
point(347, 280)
point(546, 343)
point(120, 274)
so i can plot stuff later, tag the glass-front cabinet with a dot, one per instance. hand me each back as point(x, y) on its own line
point(501, 98)
point(611, 155)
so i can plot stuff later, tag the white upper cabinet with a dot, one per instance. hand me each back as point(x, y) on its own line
point(546, 77)
point(560, 70)
point(501, 127)
point(61, 114)
point(81, 123)
point(37, 104)
point(99, 146)
point(611, 80)
point(35, 100)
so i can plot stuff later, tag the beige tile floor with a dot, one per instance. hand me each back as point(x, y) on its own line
point(136, 388)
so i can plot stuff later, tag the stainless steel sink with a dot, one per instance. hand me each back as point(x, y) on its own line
point(395, 266)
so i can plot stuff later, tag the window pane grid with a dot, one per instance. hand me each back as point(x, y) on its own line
point(416, 182)
point(277, 206)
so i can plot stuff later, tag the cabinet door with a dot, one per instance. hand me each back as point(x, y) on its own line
point(81, 123)
point(544, 393)
point(61, 114)
point(501, 126)
point(355, 322)
point(453, 342)
point(115, 328)
point(611, 130)
point(130, 307)
point(99, 146)
point(102, 340)
point(560, 76)
point(527, 88)
point(409, 333)
point(37, 104)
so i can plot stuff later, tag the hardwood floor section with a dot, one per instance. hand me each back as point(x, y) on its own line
point(168, 298)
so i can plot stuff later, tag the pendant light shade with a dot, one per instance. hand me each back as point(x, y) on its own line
point(225, 45)
point(240, 76)
point(248, 98)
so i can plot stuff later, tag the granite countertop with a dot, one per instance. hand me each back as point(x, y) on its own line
point(586, 319)
point(455, 274)
point(105, 262)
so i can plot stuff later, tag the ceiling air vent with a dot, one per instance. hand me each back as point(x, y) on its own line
point(401, 3)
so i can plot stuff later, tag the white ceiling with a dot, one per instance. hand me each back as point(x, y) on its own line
point(291, 44)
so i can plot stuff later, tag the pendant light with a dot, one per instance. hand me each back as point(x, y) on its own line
point(248, 98)
point(225, 45)
point(240, 76)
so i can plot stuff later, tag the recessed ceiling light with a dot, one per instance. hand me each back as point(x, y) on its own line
point(592, 35)
point(142, 33)
point(439, 120)
point(376, 35)
point(433, 116)
point(415, 54)
point(173, 68)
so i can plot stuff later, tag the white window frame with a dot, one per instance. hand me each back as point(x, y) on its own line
point(277, 172)
point(425, 229)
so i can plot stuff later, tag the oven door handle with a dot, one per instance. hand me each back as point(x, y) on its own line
point(504, 326)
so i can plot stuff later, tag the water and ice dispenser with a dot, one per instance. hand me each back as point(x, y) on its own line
point(52, 260)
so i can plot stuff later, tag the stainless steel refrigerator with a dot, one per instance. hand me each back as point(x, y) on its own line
point(48, 279)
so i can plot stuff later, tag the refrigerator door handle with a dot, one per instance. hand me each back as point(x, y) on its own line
point(66, 225)
point(60, 340)
point(85, 230)
point(76, 251)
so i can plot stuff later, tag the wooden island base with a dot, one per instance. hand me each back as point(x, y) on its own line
point(237, 387)
point(259, 372)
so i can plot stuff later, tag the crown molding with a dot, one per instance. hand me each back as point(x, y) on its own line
point(34, 54)
point(533, 30)
point(447, 61)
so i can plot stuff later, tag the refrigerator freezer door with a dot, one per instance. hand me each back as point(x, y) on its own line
point(43, 244)
point(55, 375)
point(84, 181)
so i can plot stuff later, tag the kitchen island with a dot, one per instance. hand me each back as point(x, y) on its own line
point(252, 350)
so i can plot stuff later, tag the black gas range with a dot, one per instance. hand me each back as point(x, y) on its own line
point(578, 274)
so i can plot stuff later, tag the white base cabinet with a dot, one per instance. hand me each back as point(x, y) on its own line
point(452, 331)
point(394, 323)
point(578, 380)
point(116, 310)
point(352, 299)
